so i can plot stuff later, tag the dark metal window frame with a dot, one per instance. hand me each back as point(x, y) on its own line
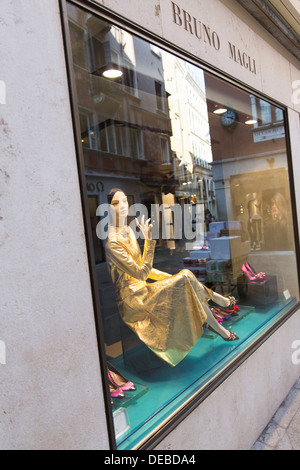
point(93, 7)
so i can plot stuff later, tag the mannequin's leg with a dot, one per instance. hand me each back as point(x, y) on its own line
point(214, 324)
point(210, 319)
point(220, 300)
point(217, 298)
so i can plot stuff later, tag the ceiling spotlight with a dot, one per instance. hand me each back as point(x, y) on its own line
point(251, 121)
point(220, 110)
point(112, 73)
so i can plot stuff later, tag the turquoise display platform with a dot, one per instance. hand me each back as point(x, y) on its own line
point(166, 389)
point(130, 397)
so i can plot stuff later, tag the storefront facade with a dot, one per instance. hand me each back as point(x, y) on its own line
point(197, 128)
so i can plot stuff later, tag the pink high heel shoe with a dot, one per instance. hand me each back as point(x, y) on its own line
point(251, 277)
point(115, 392)
point(260, 275)
point(118, 380)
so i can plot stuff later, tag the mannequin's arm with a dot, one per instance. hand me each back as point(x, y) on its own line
point(121, 258)
point(157, 275)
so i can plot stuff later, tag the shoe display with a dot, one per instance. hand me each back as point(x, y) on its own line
point(260, 275)
point(118, 380)
point(115, 392)
point(222, 312)
point(251, 276)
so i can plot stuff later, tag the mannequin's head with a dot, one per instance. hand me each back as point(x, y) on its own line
point(278, 206)
point(119, 206)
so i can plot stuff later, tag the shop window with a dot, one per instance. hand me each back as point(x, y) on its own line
point(212, 173)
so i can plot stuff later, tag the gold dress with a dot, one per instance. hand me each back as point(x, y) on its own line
point(167, 315)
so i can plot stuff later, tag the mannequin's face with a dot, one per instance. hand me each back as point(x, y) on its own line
point(275, 208)
point(119, 205)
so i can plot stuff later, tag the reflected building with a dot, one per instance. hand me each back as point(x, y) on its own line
point(124, 115)
point(190, 141)
point(143, 119)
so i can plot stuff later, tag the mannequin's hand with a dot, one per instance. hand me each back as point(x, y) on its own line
point(145, 227)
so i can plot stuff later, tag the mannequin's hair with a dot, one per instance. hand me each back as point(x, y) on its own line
point(112, 192)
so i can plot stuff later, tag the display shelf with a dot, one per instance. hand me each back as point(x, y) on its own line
point(120, 413)
point(170, 387)
point(260, 293)
point(130, 397)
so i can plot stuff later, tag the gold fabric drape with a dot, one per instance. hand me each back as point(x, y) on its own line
point(166, 315)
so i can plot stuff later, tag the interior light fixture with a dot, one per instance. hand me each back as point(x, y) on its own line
point(220, 110)
point(112, 73)
point(250, 122)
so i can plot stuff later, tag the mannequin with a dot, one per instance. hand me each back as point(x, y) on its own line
point(167, 315)
point(254, 211)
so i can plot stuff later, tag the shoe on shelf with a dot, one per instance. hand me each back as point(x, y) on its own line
point(118, 380)
point(232, 337)
point(251, 276)
point(260, 275)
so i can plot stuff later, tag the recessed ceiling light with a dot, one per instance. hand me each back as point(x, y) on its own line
point(112, 73)
point(220, 111)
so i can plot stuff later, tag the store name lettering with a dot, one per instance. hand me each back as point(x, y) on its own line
point(242, 58)
point(195, 27)
point(204, 33)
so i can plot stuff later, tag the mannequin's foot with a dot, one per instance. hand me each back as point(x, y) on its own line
point(232, 336)
point(226, 334)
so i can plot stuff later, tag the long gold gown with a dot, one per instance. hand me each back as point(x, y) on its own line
point(166, 315)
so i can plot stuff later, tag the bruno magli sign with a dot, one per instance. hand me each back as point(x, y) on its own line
point(204, 32)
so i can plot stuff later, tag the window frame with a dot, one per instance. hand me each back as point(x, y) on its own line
point(187, 408)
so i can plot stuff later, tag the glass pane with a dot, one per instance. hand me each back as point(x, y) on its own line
point(207, 162)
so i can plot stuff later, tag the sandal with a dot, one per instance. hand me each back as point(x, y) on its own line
point(222, 312)
point(232, 337)
point(232, 301)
